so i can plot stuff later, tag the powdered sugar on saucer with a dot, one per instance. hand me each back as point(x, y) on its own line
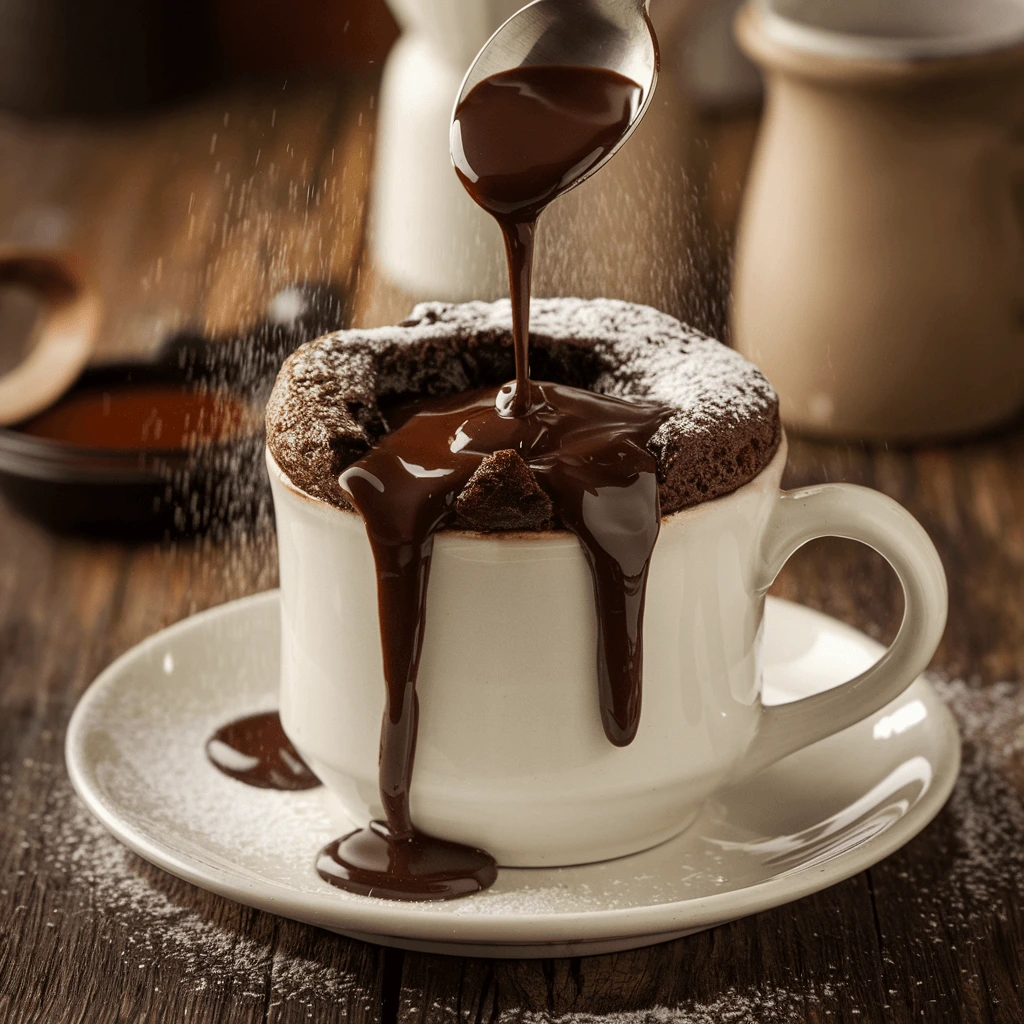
point(983, 828)
point(89, 871)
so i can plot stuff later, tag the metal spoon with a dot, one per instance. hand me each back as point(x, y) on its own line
point(612, 34)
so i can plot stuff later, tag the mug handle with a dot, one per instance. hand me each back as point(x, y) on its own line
point(66, 338)
point(854, 513)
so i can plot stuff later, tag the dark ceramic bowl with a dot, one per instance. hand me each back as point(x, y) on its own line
point(133, 494)
point(143, 495)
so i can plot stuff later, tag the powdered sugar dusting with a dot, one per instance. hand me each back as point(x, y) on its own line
point(751, 1006)
point(985, 862)
point(733, 1006)
point(92, 869)
point(325, 410)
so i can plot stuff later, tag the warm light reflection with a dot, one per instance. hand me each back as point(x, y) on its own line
point(900, 720)
point(869, 815)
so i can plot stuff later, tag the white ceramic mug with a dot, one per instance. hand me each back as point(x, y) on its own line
point(511, 755)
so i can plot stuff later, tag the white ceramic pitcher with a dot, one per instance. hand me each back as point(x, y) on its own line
point(880, 265)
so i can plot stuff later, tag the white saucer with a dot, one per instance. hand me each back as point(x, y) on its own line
point(135, 755)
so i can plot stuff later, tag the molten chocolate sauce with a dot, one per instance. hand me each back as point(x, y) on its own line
point(520, 139)
point(374, 861)
point(256, 751)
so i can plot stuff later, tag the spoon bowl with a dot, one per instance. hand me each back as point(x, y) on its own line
point(612, 34)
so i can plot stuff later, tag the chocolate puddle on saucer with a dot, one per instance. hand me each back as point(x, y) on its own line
point(256, 751)
point(520, 139)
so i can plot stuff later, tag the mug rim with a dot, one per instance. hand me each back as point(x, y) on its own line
point(777, 463)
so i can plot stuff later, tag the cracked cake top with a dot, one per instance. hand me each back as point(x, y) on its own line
point(333, 395)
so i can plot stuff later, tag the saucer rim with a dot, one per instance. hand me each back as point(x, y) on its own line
point(394, 922)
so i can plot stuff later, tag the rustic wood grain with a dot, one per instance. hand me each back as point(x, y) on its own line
point(182, 229)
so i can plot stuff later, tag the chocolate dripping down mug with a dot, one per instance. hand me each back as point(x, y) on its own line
point(879, 278)
point(511, 755)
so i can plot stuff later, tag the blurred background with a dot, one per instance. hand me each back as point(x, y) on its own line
point(196, 158)
point(202, 187)
point(190, 191)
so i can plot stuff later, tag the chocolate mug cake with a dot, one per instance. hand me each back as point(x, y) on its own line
point(627, 414)
point(337, 397)
point(512, 482)
point(637, 417)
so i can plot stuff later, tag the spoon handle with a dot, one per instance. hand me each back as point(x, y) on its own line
point(66, 338)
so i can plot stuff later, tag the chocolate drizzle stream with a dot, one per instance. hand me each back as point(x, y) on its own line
point(519, 139)
point(256, 751)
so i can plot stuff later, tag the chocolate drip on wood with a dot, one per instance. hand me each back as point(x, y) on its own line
point(256, 751)
point(520, 139)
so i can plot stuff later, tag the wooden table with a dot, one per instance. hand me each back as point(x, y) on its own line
point(193, 217)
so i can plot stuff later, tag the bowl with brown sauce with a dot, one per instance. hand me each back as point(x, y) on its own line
point(167, 448)
point(137, 451)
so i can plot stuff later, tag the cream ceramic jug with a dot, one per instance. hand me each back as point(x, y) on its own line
point(879, 277)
